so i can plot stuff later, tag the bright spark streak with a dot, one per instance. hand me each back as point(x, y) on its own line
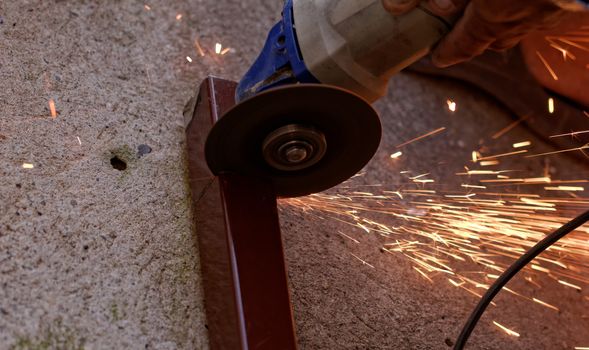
point(569, 285)
point(198, 47)
point(348, 237)
point(551, 105)
point(79, 141)
point(431, 133)
point(489, 162)
point(396, 155)
point(225, 50)
point(521, 144)
point(475, 156)
point(581, 347)
point(147, 7)
point(27, 166)
point(362, 261)
point(218, 48)
point(451, 105)
point(548, 67)
point(557, 152)
point(508, 128)
point(565, 188)
point(504, 155)
point(189, 59)
point(543, 303)
point(178, 17)
point(571, 133)
point(473, 186)
point(505, 329)
point(52, 109)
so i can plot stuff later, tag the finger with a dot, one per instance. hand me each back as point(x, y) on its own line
point(447, 7)
point(470, 37)
point(398, 7)
point(506, 44)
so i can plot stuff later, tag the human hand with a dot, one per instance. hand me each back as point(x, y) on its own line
point(487, 24)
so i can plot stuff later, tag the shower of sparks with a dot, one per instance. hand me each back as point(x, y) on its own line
point(521, 144)
point(189, 59)
point(467, 235)
point(431, 133)
point(27, 166)
point(505, 329)
point(218, 48)
point(548, 67)
point(551, 105)
point(451, 105)
point(52, 109)
point(396, 155)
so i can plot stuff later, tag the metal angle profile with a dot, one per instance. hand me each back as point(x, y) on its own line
point(243, 270)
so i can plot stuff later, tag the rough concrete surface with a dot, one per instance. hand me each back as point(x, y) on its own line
point(97, 250)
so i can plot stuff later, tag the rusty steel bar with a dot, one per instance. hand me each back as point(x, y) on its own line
point(236, 220)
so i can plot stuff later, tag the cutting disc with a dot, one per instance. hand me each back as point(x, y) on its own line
point(305, 138)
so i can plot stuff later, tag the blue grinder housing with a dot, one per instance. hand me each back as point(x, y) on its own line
point(279, 63)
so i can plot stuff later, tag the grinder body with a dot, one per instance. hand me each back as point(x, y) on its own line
point(353, 44)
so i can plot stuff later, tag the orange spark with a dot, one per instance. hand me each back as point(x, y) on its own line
point(52, 109)
point(489, 162)
point(565, 188)
point(451, 105)
point(189, 59)
point(396, 155)
point(27, 166)
point(575, 133)
point(543, 303)
point(551, 105)
point(431, 133)
point(521, 144)
point(505, 329)
point(548, 68)
point(178, 17)
point(503, 155)
point(198, 47)
point(218, 48)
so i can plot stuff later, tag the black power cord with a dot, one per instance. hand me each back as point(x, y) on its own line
point(512, 271)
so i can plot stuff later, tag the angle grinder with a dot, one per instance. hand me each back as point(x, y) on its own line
point(303, 117)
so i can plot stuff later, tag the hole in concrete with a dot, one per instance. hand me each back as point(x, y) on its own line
point(118, 163)
point(449, 342)
point(86, 247)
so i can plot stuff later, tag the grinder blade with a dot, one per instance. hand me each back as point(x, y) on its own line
point(305, 138)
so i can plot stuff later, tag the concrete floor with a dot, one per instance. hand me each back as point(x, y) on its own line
point(99, 258)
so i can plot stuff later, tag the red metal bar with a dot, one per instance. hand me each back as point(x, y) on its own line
point(244, 275)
